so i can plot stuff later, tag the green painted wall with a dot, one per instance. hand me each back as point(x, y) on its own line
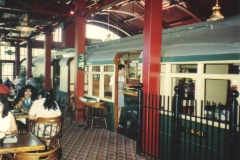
point(110, 116)
point(210, 141)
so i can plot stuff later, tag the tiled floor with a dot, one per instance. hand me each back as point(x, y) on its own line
point(100, 144)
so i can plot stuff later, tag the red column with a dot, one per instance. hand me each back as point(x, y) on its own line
point(29, 58)
point(80, 27)
point(47, 60)
point(151, 70)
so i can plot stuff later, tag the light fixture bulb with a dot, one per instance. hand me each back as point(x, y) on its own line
point(25, 33)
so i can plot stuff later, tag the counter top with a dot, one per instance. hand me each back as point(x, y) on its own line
point(130, 94)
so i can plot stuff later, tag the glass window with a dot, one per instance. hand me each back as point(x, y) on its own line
point(96, 68)
point(95, 84)
point(107, 88)
point(216, 68)
point(184, 68)
point(7, 53)
point(86, 84)
point(108, 68)
point(7, 70)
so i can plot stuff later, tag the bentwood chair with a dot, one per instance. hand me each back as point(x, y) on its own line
point(48, 130)
point(75, 112)
point(96, 112)
point(64, 104)
point(52, 154)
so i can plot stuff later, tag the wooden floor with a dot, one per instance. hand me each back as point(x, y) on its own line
point(100, 144)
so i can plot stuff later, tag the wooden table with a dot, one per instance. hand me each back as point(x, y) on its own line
point(26, 142)
point(21, 115)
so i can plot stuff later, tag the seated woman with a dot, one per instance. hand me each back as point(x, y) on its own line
point(45, 107)
point(23, 103)
point(7, 121)
point(8, 124)
point(25, 98)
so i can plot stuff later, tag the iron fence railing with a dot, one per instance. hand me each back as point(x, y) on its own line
point(178, 133)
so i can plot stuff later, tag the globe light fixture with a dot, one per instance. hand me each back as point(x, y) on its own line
point(25, 27)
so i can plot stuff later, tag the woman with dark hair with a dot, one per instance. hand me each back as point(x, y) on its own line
point(23, 103)
point(7, 121)
point(45, 107)
point(25, 98)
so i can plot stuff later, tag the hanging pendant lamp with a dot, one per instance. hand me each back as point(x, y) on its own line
point(25, 27)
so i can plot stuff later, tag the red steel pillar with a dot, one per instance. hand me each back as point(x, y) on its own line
point(47, 59)
point(151, 69)
point(80, 27)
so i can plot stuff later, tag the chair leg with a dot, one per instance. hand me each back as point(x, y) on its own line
point(106, 123)
point(72, 115)
point(92, 124)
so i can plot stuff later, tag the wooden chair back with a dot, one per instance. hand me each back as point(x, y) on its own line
point(45, 155)
point(48, 128)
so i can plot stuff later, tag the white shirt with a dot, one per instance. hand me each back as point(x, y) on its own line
point(38, 110)
point(120, 79)
point(5, 123)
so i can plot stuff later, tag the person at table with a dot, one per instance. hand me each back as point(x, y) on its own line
point(12, 92)
point(23, 103)
point(3, 88)
point(7, 121)
point(25, 98)
point(8, 124)
point(7, 82)
point(18, 83)
point(31, 81)
point(45, 107)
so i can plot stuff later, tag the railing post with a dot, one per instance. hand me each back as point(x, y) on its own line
point(139, 118)
point(232, 136)
point(176, 130)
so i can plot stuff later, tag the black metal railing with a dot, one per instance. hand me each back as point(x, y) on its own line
point(179, 133)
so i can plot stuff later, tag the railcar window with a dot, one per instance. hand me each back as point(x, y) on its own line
point(217, 90)
point(186, 93)
point(221, 69)
point(86, 83)
point(184, 68)
point(96, 68)
point(107, 89)
point(95, 84)
point(108, 68)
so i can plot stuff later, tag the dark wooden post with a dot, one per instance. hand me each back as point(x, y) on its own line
point(176, 130)
point(139, 118)
point(232, 136)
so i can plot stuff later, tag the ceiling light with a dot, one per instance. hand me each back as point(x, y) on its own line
point(25, 27)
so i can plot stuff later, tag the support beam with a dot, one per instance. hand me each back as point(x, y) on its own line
point(47, 60)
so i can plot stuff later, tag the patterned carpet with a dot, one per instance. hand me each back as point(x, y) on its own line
point(100, 144)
